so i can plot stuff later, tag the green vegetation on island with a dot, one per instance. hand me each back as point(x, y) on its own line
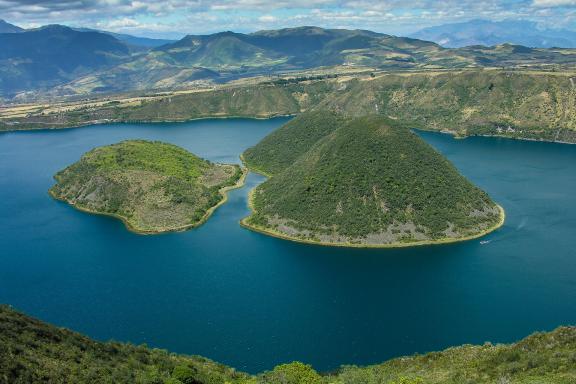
point(367, 182)
point(152, 186)
point(35, 352)
point(282, 147)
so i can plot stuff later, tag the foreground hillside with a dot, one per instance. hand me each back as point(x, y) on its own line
point(36, 352)
point(363, 182)
point(529, 105)
point(153, 187)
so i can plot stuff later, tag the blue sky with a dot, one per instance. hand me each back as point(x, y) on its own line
point(176, 18)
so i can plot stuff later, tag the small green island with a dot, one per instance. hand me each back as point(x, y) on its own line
point(153, 187)
point(362, 182)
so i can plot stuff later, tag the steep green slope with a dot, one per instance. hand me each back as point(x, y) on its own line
point(512, 104)
point(371, 182)
point(548, 358)
point(32, 352)
point(282, 147)
point(152, 186)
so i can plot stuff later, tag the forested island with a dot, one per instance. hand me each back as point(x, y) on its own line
point(152, 187)
point(362, 182)
point(33, 351)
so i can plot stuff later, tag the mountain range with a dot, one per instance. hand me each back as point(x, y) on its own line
point(66, 61)
point(135, 41)
point(47, 56)
point(6, 27)
point(489, 33)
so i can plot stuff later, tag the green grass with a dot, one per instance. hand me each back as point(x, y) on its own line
point(166, 159)
point(152, 186)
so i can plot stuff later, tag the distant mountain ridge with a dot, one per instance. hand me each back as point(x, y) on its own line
point(144, 42)
point(6, 27)
point(490, 33)
point(66, 61)
point(54, 54)
point(301, 47)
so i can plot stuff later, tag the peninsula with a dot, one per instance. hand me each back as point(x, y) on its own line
point(153, 187)
point(362, 182)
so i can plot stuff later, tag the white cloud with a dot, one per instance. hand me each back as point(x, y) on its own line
point(179, 17)
point(554, 3)
point(268, 19)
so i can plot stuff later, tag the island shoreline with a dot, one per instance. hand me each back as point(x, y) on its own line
point(167, 121)
point(454, 134)
point(270, 232)
point(223, 192)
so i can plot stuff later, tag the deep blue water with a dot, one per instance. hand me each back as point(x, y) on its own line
point(253, 301)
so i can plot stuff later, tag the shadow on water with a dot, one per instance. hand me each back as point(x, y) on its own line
point(253, 301)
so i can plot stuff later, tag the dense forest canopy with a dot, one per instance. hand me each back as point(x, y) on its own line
point(367, 180)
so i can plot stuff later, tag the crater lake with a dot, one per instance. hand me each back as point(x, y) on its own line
point(252, 301)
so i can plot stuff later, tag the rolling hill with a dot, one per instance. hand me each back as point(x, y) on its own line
point(363, 182)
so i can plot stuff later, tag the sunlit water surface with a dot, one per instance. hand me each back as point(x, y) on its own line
point(253, 301)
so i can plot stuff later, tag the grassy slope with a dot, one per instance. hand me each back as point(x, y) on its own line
point(368, 177)
point(152, 186)
point(533, 105)
point(33, 351)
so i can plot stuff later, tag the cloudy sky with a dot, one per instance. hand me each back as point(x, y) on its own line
point(175, 18)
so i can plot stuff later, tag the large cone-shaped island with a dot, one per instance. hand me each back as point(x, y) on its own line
point(362, 182)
